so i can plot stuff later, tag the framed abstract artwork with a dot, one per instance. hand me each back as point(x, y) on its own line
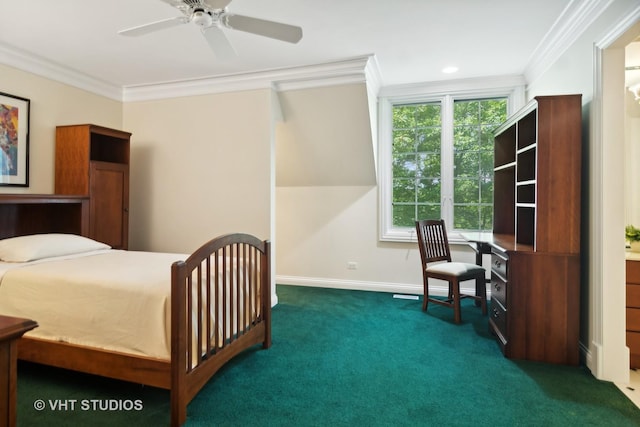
point(14, 140)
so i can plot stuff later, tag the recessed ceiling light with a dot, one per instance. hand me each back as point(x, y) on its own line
point(449, 70)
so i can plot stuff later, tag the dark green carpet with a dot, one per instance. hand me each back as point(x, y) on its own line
point(346, 358)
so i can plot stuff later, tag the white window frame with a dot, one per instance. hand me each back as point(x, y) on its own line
point(511, 88)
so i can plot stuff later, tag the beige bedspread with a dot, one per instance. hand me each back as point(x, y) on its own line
point(115, 300)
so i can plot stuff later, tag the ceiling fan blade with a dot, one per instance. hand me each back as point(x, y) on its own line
point(174, 3)
point(216, 4)
point(154, 26)
point(219, 43)
point(261, 27)
point(211, 4)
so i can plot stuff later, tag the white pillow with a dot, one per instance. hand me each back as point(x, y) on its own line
point(38, 246)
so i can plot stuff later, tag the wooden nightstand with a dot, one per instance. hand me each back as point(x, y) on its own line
point(11, 329)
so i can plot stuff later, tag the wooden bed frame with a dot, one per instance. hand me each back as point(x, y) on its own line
point(186, 373)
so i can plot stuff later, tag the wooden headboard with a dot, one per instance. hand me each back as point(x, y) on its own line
point(22, 214)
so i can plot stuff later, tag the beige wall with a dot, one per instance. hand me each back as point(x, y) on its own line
point(200, 167)
point(321, 229)
point(325, 138)
point(53, 104)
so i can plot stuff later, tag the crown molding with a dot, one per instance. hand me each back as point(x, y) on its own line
point(626, 21)
point(472, 85)
point(347, 71)
point(53, 71)
point(373, 76)
point(574, 20)
point(352, 70)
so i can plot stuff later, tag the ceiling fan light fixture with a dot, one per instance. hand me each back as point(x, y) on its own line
point(202, 18)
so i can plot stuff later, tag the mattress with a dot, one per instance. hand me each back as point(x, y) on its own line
point(110, 299)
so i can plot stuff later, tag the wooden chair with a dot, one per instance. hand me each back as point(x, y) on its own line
point(437, 264)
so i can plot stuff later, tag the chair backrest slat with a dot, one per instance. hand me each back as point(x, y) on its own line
point(432, 241)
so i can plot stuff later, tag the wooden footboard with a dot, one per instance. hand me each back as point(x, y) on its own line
point(221, 305)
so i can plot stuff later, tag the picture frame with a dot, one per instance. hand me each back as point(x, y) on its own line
point(14, 140)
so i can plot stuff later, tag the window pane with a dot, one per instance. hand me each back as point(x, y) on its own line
point(429, 191)
point(466, 190)
point(429, 212)
point(486, 178)
point(429, 165)
point(486, 135)
point(466, 137)
point(428, 139)
point(486, 217)
point(427, 114)
point(492, 111)
point(403, 117)
point(466, 112)
point(464, 217)
point(404, 141)
point(466, 163)
point(403, 215)
point(404, 165)
point(404, 190)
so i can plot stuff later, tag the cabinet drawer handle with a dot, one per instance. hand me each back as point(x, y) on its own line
point(497, 286)
point(497, 263)
point(496, 313)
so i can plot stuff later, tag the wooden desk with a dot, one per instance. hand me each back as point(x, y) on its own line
point(480, 242)
point(535, 312)
point(11, 329)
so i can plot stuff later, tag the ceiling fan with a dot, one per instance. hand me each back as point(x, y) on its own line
point(211, 16)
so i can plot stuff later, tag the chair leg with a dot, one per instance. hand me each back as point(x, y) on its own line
point(480, 293)
point(457, 317)
point(425, 298)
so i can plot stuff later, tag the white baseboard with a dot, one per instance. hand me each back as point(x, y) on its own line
point(397, 288)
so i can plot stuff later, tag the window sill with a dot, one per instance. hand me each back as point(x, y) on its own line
point(409, 236)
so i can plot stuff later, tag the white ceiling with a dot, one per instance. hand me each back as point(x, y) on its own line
point(412, 40)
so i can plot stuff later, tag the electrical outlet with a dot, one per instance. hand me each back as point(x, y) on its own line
point(352, 265)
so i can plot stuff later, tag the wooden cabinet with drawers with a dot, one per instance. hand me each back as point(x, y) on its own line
point(633, 311)
point(535, 303)
point(498, 307)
